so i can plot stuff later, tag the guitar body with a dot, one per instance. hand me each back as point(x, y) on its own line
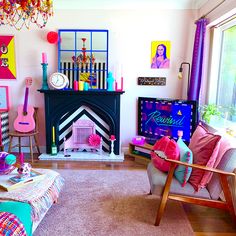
point(24, 122)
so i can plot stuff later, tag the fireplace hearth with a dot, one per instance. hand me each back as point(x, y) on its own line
point(63, 107)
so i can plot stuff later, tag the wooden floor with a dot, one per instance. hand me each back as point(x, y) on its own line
point(205, 221)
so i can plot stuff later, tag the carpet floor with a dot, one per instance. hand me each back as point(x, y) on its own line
point(110, 202)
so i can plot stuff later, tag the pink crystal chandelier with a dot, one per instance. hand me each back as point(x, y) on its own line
point(20, 13)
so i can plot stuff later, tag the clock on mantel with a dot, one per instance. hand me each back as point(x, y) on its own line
point(58, 81)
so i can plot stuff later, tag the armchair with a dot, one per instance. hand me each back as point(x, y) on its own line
point(167, 186)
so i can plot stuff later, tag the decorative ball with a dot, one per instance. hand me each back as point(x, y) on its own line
point(52, 37)
point(94, 140)
point(6, 163)
point(24, 170)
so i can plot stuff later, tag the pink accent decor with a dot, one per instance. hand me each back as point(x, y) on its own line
point(138, 140)
point(81, 132)
point(21, 158)
point(44, 58)
point(52, 37)
point(163, 148)
point(205, 148)
point(112, 138)
point(76, 85)
point(24, 123)
point(116, 85)
point(94, 140)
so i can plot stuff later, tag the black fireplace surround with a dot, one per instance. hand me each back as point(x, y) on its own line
point(105, 104)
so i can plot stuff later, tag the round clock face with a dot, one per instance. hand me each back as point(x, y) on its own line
point(58, 81)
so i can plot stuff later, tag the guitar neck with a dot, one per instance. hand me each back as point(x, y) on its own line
point(26, 100)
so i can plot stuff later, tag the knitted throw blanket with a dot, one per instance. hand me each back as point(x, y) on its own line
point(40, 194)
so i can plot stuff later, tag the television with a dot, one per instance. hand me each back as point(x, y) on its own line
point(159, 117)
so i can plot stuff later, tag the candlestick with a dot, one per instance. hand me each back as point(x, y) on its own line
point(44, 57)
point(21, 158)
point(45, 79)
point(54, 146)
point(116, 86)
point(53, 134)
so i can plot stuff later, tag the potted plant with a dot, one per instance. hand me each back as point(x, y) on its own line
point(208, 111)
point(232, 112)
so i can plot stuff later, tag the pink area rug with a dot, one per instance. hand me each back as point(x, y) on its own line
point(110, 202)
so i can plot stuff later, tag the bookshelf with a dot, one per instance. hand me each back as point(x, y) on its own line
point(141, 153)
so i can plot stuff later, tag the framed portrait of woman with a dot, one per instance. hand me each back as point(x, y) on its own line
point(160, 54)
point(4, 99)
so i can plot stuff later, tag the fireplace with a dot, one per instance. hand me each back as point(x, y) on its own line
point(63, 107)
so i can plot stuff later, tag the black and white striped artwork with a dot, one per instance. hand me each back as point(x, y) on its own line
point(73, 72)
point(4, 128)
point(83, 112)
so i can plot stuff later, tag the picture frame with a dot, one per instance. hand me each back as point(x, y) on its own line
point(7, 60)
point(4, 99)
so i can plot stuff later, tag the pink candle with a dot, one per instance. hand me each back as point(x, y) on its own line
point(21, 158)
point(44, 58)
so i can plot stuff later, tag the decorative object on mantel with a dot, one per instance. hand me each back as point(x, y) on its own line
point(21, 13)
point(158, 81)
point(122, 85)
point(58, 81)
point(44, 67)
point(110, 82)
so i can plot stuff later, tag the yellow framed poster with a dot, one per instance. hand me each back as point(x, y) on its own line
point(7, 57)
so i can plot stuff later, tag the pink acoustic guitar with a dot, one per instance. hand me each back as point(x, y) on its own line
point(24, 121)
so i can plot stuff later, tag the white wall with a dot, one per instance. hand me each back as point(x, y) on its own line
point(131, 33)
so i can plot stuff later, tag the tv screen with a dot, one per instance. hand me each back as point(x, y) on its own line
point(159, 117)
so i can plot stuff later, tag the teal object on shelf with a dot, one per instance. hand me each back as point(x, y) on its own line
point(45, 77)
point(110, 82)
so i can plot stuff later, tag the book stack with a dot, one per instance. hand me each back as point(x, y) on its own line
point(142, 152)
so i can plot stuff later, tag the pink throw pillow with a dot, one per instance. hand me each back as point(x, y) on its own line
point(205, 147)
point(164, 147)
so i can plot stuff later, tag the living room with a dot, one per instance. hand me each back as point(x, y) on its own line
point(135, 28)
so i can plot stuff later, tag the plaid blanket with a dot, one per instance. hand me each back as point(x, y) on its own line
point(40, 195)
point(10, 225)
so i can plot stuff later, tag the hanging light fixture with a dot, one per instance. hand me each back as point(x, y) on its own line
point(20, 13)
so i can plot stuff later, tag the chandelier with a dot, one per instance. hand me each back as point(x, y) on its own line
point(20, 13)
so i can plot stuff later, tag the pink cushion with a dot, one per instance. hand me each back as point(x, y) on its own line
point(164, 147)
point(205, 148)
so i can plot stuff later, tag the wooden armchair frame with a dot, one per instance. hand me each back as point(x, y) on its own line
point(225, 205)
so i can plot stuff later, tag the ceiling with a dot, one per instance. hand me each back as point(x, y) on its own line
point(128, 4)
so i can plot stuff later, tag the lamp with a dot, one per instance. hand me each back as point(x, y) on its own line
point(19, 13)
point(180, 74)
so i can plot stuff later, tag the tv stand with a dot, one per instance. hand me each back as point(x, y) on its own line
point(140, 153)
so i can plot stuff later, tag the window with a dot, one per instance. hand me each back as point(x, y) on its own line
point(222, 85)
